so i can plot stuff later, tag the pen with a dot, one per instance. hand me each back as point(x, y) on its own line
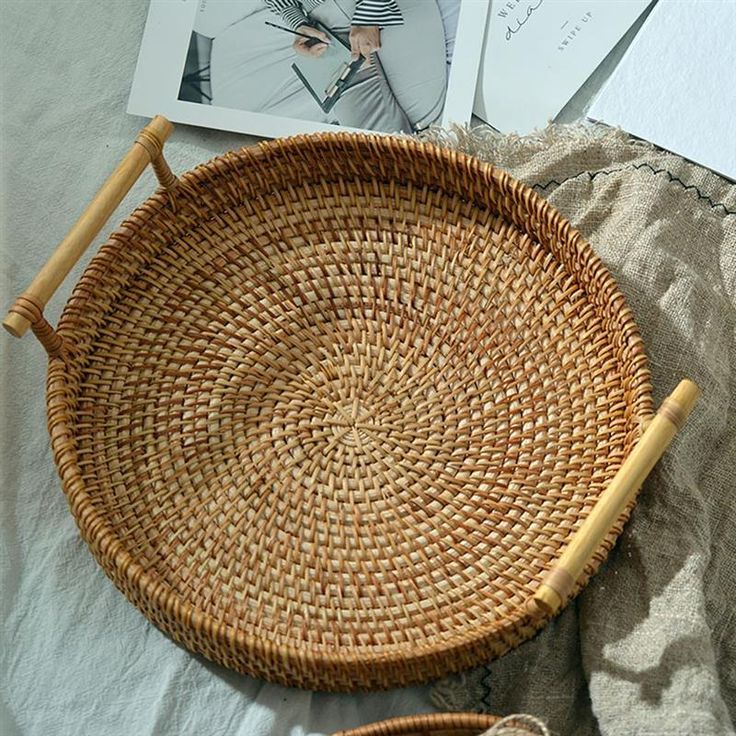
point(296, 33)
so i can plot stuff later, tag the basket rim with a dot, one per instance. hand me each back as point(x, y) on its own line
point(103, 540)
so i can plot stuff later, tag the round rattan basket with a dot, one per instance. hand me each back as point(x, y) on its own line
point(452, 724)
point(327, 410)
point(435, 724)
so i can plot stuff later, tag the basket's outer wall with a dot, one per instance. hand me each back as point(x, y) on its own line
point(250, 175)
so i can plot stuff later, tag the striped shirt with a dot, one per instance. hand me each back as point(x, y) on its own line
point(380, 13)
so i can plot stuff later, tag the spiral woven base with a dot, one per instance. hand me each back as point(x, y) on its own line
point(329, 416)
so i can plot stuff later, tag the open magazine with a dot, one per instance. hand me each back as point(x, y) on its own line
point(280, 67)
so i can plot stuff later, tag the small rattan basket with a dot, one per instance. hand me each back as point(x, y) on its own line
point(435, 724)
point(453, 724)
point(333, 410)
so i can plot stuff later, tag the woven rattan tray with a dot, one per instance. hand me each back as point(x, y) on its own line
point(335, 410)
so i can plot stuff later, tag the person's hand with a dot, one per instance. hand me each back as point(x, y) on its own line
point(364, 40)
point(301, 46)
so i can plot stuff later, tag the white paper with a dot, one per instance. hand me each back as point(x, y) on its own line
point(675, 86)
point(538, 53)
point(237, 27)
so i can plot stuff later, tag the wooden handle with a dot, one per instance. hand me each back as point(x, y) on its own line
point(146, 149)
point(561, 579)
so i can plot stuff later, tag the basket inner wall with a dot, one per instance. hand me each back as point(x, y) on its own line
point(342, 415)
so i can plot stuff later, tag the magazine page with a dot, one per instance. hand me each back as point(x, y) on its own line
point(280, 67)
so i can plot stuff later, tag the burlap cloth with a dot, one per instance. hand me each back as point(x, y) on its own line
point(649, 647)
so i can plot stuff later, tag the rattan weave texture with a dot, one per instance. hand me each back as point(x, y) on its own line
point(329, 414)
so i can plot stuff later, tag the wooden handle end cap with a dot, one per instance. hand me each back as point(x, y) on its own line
point(678, 405)
point(161, 127)
point(16, 324)
point(544, 602)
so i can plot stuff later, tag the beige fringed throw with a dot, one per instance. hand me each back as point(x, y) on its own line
point(650, 646)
